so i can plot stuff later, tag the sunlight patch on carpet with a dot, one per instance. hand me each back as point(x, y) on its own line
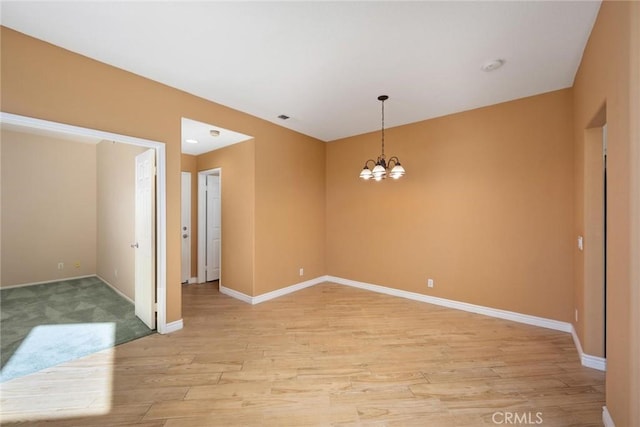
point(49, 345)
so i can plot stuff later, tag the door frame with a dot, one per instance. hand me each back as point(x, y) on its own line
point(161, 191)
point(185, 208)
point(605, 207)
point(202, 231)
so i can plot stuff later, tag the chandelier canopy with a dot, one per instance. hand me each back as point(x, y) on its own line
point(381, 166)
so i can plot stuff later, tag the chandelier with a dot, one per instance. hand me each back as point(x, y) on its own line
point(381, 166)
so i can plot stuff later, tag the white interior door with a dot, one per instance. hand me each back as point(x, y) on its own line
point(213, 228)
point(145, 238)
point(185, 229)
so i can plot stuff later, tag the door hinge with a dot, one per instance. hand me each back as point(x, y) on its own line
point(155, 307)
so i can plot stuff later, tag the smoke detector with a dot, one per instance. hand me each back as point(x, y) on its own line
point(492, 65)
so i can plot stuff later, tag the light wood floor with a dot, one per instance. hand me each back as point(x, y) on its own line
point(326, 355)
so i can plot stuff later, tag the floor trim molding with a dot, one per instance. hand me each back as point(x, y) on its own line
point(593, 362)
point(172, 327)
point(168, 327)
point(62, 279)
point(289, 289)
point(273, 294)
point(458, 305)
point(118, 291)
point(606, 418)
point(587, 360)
point(235, 294)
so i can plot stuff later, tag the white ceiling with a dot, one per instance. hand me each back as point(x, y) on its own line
point(201, 132)
point(325, 63)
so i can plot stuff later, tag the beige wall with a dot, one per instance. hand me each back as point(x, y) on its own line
point(609, 75)
point(237, 163)
point(116, 214)
point(48, 208)
point(634, 227)
point(189, 163)
point(485, 208)
point(290, 212)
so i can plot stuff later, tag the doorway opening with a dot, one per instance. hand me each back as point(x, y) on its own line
point(199, 139)
point(595, 243)
point(156, 296)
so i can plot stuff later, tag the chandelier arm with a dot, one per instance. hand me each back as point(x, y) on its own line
point(395, 161)
point(366, 164)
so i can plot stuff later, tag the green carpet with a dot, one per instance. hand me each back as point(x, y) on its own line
point(44, 325)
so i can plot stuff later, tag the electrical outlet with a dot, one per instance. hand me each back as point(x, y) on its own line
point(430, 283)
point(77, 264)
point(116, 272)
point(60, 265)
point(302, 272)
point(576, 314)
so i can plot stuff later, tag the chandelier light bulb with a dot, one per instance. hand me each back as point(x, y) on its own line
point(366, 173)
point(397, 171)
point(379, 171)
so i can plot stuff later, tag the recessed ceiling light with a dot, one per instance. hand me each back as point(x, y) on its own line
point(214, 132)
point(492, 65)
point(191, 141)
point(283, 117)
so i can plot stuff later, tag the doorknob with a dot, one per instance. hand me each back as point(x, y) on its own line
point(135, 245)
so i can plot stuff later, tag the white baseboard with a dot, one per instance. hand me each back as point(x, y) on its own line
point(235, 294)
point(273, 294)
point(487, 311)
point(118, 291)
point(20, 285)
point(168, 328)
point(594, 362)
point(587, 360)
point(193, 280)
point(171, 327)
point(606, 418)
point(289, 289)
